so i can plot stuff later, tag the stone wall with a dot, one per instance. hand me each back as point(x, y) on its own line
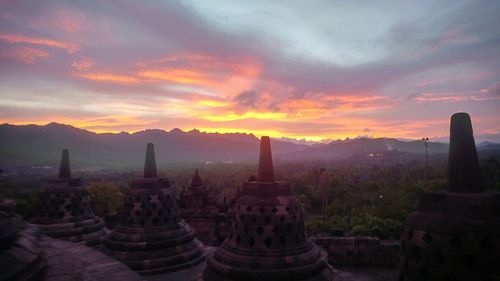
point(210, 230)
point(360, 250)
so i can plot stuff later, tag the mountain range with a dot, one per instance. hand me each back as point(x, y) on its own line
point(34, 145)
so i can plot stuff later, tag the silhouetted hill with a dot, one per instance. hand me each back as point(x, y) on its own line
point(378, 147)
point(41, 145)
point(33, 145)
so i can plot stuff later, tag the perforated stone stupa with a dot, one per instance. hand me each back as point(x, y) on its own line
point(65, 211)
point(199, 208)
point(455, 235)
point(21, 257)
point(267, 240)
point(151, 238)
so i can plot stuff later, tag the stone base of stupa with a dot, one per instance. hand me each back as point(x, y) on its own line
point(154, 250)
point(452, 236)
point(21, 257)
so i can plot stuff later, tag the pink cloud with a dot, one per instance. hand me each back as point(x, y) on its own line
point(25, 55)
point(21, 39)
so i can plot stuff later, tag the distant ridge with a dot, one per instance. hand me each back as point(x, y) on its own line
point(25, 145)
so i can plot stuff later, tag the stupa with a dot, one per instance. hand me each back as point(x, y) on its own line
point(267, 240)
point(65, 211)
point(199, 208)
point(455, 234)
point(21, 257)
point(151, 237)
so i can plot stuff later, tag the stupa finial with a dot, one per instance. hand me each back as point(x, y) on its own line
point(150, 163)
point(464, 174)
point(266, 170)
point(64, 168)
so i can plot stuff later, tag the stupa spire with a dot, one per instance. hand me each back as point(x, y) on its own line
point(64, 168)
point(464, 175)
point(150, 162)
point(266, 170)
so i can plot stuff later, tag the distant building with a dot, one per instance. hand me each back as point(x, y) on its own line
point(198, 207)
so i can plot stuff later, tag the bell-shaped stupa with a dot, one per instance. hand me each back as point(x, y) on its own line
point(455, 234)
point(65, 211)
point(267, 240)
point(151, 237)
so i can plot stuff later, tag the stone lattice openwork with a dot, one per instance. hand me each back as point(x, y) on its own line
point(198, 207)
point(65, 211)
point(21, 257)
point(455, 235)
point(151, 237)
point(267, 240)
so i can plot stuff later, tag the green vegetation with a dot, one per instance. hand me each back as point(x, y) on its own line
point(105, 197)
point(356, 197)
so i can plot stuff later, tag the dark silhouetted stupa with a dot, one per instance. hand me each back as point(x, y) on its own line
point(21, 257)
point(65, 211)
point(455, 234)
point(151, 238)
point(199, 208)
point(268, 240)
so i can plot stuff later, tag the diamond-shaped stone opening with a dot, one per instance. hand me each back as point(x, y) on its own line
point(251, 242)
point(275, 230)
point(274, 210)
point(267, 219)
point(260, 230)
point(268, 242)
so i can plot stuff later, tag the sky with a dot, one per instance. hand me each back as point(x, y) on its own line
point(300, 69)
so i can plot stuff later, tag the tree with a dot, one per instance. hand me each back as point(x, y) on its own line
point(105, 197)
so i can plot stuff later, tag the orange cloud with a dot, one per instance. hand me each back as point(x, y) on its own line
point(175, 75)
point(15, 38)
point(110, 77)
point(25, 55)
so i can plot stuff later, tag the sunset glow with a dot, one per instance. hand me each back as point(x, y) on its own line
point(230, 67)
